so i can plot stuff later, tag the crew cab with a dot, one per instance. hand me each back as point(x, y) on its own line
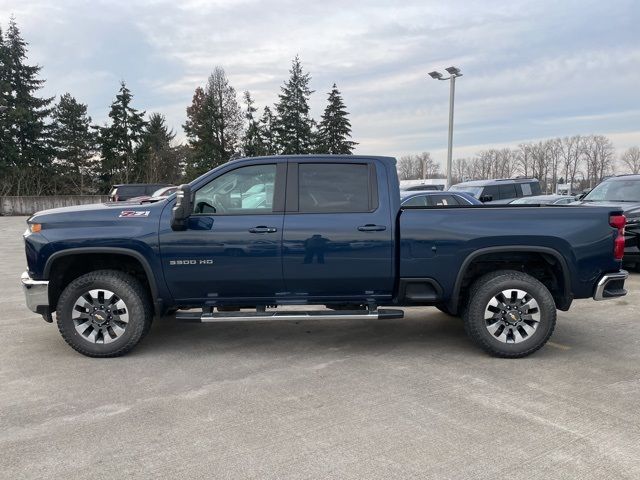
point(258, 234)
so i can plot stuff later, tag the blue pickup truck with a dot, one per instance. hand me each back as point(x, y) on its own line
point(257, 234)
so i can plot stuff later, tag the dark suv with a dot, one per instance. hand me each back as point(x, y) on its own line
point(622, 191)
point(127, 191)
point(499, 191)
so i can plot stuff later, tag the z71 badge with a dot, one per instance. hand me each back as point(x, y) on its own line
point(134, 213)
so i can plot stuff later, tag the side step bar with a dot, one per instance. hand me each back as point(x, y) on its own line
point(289, 316)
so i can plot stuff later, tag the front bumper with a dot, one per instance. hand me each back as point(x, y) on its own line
point(611, 285)
point(36, 294)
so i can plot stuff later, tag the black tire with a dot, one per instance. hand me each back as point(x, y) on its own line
point(125, 287)
point(444, 309)
point(489, 287)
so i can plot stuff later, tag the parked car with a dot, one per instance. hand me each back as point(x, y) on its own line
point(156, 196)
point(501, 190)
point(330, 232)
point(621, 192)
point(544, 200)
point(127, 191)
point(423, 184)
point(437, 199)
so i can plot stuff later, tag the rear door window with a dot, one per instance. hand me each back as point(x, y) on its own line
point(131, 191)
point(442, 200)
point(419, 201)
point(336, 187)
point(507, 191)
point(535, 188)
point(491, 191)
point(526, 189)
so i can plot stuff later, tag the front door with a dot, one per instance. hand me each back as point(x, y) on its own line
point(232, 246)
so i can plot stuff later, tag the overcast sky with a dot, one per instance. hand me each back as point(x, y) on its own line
point(532, 69)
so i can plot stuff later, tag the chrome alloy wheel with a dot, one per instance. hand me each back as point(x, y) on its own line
point(100, 316)
point(512, 316)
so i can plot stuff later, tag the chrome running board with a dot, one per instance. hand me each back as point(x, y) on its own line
point(289, 316)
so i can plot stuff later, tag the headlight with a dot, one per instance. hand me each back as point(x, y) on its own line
point(35, 227)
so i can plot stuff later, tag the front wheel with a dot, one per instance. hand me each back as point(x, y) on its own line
point(104, 313)
point(510, 314)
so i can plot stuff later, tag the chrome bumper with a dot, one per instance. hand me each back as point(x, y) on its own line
point(611, 285)
point(36, 293)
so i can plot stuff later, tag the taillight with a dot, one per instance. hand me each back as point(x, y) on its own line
point(618, 221)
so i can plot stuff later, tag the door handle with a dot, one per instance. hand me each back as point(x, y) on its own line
point(263, 229)
point(370, 227)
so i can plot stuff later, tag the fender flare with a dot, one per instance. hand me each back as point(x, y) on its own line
point(566, 272)
point(157, 302)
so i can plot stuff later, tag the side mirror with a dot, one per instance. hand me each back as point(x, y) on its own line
point(182, 209)
point(485, 198)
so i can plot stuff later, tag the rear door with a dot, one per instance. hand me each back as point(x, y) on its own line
point(337, 238)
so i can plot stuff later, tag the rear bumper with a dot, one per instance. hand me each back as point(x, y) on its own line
point(36, 294)
point(611, 285)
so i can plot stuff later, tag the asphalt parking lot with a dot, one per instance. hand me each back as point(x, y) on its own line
point(402, 399)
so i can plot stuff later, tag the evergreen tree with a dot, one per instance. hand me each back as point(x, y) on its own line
point(214, 124)
point(199, 131)
point(4, 123)
point(268, 132)
point(26, 134)
point(119, 139)
point(73, 142)
point(293, 125)
point(159, 159)
point(252, 143)
point(334, 130)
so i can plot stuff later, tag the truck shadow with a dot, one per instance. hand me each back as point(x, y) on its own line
point(430, 330)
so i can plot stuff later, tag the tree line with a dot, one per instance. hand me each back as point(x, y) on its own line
point(583, 161)
point(49, 147)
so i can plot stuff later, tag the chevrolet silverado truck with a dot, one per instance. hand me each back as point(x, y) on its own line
point(258, 234)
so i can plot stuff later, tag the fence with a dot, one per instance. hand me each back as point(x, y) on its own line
point(27, 205)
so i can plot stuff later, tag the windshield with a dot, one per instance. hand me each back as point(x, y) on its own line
point(475, 191)
point(615, 191)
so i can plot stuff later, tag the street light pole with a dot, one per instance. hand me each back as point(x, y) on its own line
point(452, 94)
point(453, 74)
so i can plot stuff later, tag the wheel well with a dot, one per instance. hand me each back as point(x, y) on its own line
point(67, 268)
point(544, 267)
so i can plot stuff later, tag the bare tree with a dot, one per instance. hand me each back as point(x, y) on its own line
point(429, 167)
point(412, 167)
point(409, 168)
point(554, 154)
point(571, 154)
point(461, 170)
point(524, 158)
point(599, 154)
point(631, 160)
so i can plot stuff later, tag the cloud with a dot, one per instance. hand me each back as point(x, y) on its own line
point(532, 69)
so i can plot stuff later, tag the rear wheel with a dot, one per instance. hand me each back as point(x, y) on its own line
point(510, 314)
point(104, 313)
